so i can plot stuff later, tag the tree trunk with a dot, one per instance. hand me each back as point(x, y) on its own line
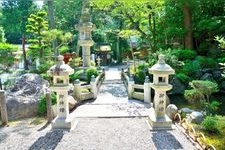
point(188, 39)
point(52, 25)
point(24, 53)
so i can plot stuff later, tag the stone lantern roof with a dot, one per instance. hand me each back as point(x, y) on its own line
point(161, 68)
point(60, 69)
point(85, 21)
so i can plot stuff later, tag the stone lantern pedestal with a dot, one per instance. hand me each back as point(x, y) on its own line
point(85, 27)
point(61, 86)
point(161, 72)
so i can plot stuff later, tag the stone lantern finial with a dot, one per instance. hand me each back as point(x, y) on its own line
point(161, 59)
point(60, 59)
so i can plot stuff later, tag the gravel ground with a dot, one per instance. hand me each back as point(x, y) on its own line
point(93, 134)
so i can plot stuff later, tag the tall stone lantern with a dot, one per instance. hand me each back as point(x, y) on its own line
point(85, 27)
point(60, 73)
point(161, 72)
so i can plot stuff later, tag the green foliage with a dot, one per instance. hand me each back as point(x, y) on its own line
point(6, 57)
point(137, 21)
point(63, 50)
point(205, 87)
point(221, 41)
point(206, 62)
point(193, 96)
point(210, 124)
point(75, 62)
point(184, 54)
point(201, 91)
point(183, 77)
point(169, 58)
point(207, 22)
point(44, 66)
point(36, 26)
point(214, 125)
point(76, 75)
point(139, 77)
point(9, 83)
point(46, 77)
point(141, 73)
point(91, 71)
point(42, 108)
point(212, 108)
point(190, 68)
point(63, 39)
point(2, 35)
point(65, 12)
point(14, 18)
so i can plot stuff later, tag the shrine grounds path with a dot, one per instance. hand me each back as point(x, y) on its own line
point(111, 122)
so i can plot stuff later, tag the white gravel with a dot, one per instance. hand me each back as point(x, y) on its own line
point(96, 133)
point(93, 134)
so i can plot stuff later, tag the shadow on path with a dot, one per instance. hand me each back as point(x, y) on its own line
point(49, 141)
point(117, 90)
point(165, 140)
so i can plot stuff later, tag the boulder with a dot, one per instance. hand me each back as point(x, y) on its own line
point(207, 76)
point(217, 75)
point(178, 87)
point(72, 102)
point(198, 74)
point(171, 110)
point(23, 98)
point(186, 110)
point(207, 70)
point(195, 117)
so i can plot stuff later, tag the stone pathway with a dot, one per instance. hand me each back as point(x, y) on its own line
point(111, 122)
point(112, 100)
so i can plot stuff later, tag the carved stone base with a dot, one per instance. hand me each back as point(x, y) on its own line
point(159, 123)
point(64, 123)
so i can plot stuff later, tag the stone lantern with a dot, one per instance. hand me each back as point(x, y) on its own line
point(85, 27)
point(60, 73)
point(161, 72)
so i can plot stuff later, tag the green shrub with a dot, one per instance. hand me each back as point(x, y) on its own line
point(205, 87)
point(212, 108)
point(183, 77)
point(139, 77)
point(46, 77)
point(9, 83)
point(190, 68)
point(91, 71)
point(214, 124)
point(45, 66)
point(63, 49)
point(143, 66)
point(210, 124)
point(76, 75)
point(200, 92)
point(42, 103)
point(170, 59)
point(193, 96)
point(184, 54)
point(206, 62)
point(75, 62)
